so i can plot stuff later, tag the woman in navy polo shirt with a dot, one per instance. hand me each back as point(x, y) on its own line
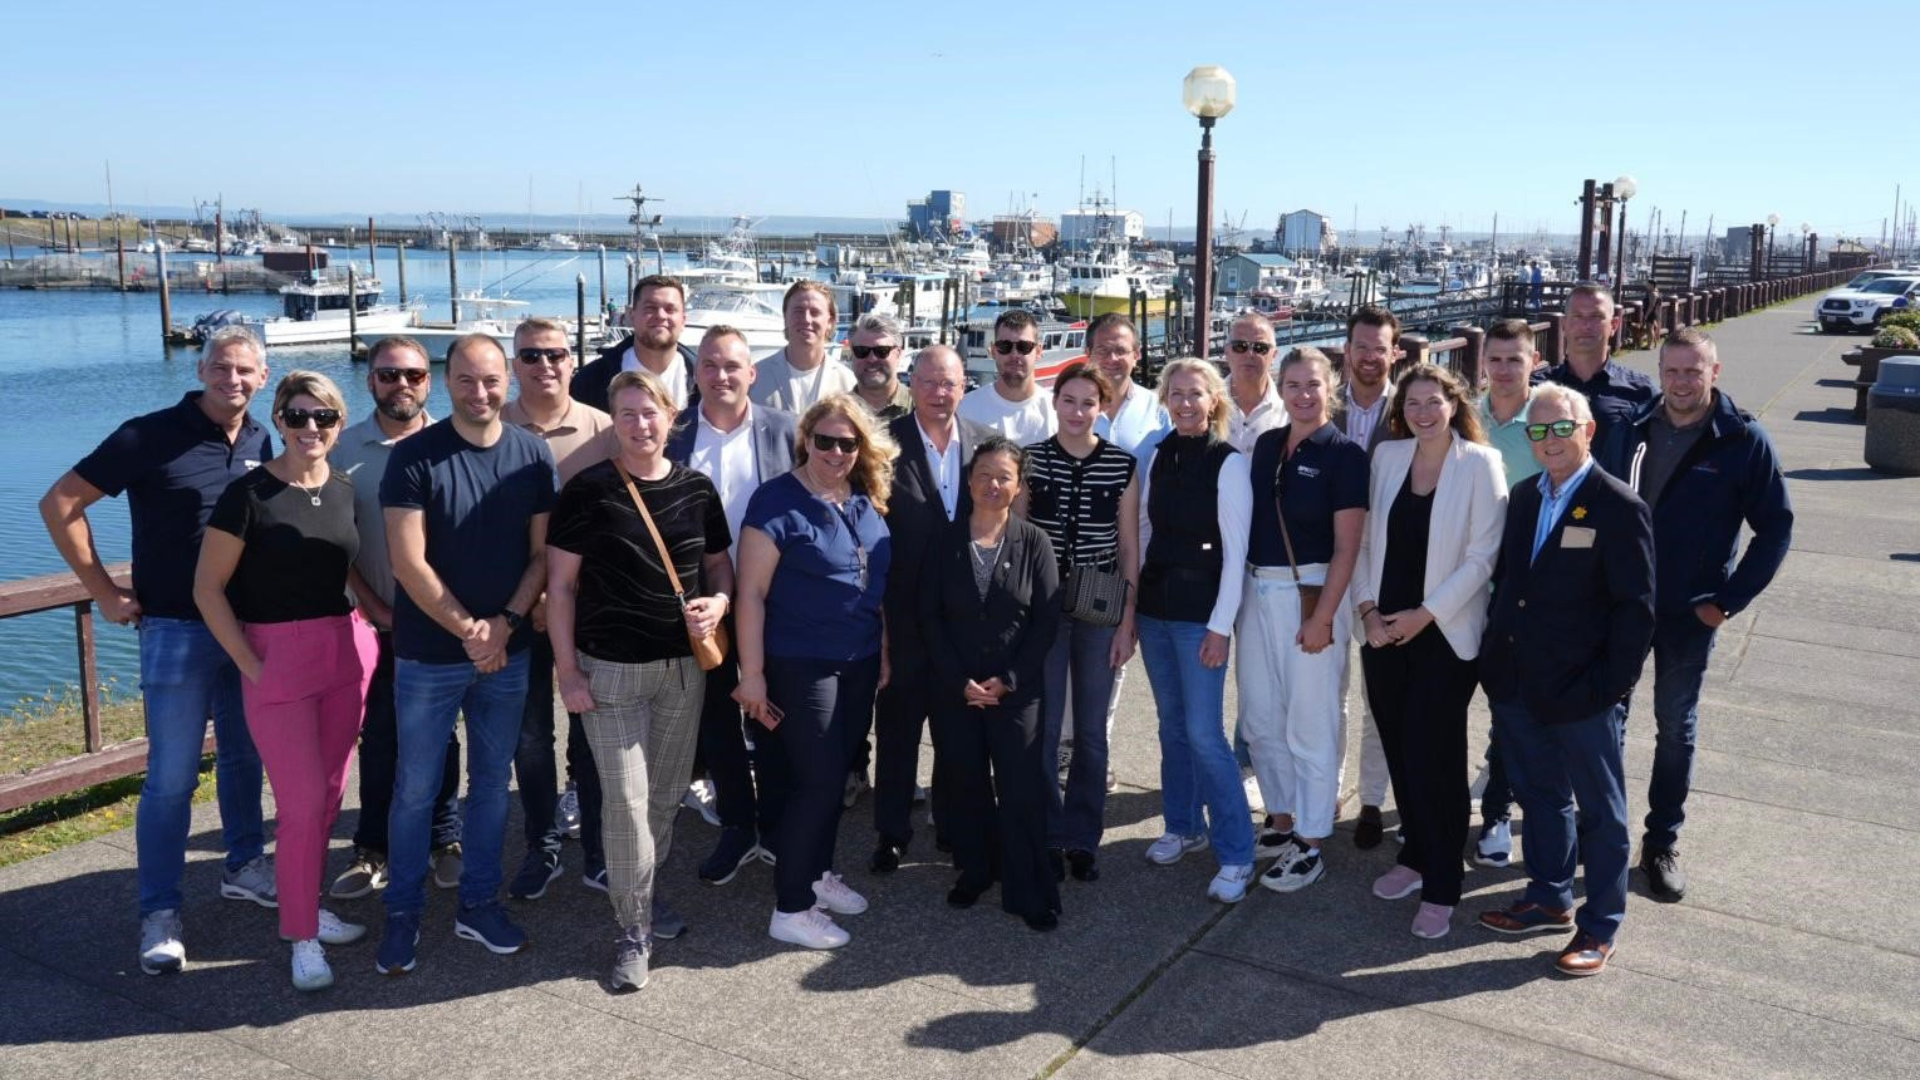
point(1309, 504)
point(814, 553)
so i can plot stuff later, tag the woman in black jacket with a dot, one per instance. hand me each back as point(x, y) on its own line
point(990, 614)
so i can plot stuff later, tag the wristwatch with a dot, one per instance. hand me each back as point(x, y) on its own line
point(513, 618)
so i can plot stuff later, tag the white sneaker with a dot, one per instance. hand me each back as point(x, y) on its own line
point(812, 928)
point(253, 881)
point(699, 799)
point(835, 896)
point(310, 969)
point(1229, 886)
point(161, 949)
point(567, 810)
point(1167, 850)
point(1495, 847)
point(1272, 844)
point(857, 785)
point(335, 930)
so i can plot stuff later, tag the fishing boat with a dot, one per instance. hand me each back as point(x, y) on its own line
point(556, 242)
point(753, 308)
point(319, 311)
point(1106, 277)
point(1061, 343)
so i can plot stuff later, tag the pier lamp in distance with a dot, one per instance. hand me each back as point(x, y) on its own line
point(1208, 93)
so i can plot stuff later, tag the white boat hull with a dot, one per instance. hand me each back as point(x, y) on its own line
point(333, 327)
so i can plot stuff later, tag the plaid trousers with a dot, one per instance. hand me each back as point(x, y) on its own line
point(643, 730)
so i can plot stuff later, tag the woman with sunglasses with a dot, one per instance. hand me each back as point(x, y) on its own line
point(1421, 588)
point(814, 553)
point(1309, 503)
point(622, 649)
point(272, 581)
point(990, 614)
point(1084, 493)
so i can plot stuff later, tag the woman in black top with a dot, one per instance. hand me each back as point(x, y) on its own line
point(1083, 492)
point(272, 581)
point(1420, 587)
point(621, 642)
point(990, 614)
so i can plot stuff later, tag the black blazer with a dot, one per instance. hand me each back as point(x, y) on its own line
point(1009, 633)
point(775, 434)
point(915, 517)
point(1568, 632)
point(591, 381)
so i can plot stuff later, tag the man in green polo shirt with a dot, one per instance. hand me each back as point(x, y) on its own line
point(1509, 360)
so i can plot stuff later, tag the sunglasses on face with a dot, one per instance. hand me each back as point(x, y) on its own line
point(391, 375)
point(297, 418)
point(1259, 348)
point(1563, 429)
point(1021, 347)
point(878, 352)
point(556, 357)
point(825, 443)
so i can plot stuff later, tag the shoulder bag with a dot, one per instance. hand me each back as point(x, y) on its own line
point(710, 651)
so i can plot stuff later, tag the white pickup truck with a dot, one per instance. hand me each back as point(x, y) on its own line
point(1861, 307)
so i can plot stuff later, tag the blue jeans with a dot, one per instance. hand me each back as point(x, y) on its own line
point(1496, 799)
point(379, 746)
point(1571, 786)
point(427, 698)
point(1681, 647)
point(185, 676)
point(1197, 768)
point(1081, 659)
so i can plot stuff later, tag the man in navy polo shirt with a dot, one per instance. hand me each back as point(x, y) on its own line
point(173, 464)
point(466, 503)
point(1614, 392)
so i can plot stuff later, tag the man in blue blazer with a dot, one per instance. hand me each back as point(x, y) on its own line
point(739, 446)
point(1567, 634)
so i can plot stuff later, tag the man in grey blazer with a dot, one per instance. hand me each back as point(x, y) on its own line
point(803, 372)
point(739, 446)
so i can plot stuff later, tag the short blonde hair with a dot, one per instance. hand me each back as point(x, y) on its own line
point(539, 324)
point(1216, 386)
point(873, 466)
point(646, 382)
point(312, 384)
point(808, 285)
point(1578, 408)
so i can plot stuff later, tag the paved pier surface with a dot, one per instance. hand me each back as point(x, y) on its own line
point(1795, 954)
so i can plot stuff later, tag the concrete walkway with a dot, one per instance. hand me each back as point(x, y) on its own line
point(1794, 954)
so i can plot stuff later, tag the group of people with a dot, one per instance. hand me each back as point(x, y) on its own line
point(744, 571)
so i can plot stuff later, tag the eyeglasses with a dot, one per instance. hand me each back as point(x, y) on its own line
point(1021, 347)
point(556, 357)
point(1563, 429)
point(1259, 348)
point(324, 419)
point(878, 352)
point(824, 443)
point(391, 375)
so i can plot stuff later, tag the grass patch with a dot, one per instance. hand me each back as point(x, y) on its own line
point(45, 827)
point(40, 731)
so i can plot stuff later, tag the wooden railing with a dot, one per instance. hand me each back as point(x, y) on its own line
point(99, 762)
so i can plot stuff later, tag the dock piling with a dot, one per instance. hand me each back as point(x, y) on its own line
point(453, 277)
point(166, 294)
point(580, 316)
point(119, 252)
point(373, 256)
point(400, 256)
point(353, 315)
point(603, 276)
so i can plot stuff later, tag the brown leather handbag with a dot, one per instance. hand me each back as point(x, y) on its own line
point(710, 651)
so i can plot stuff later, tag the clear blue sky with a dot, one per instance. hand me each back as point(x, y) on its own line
point(1441, 113)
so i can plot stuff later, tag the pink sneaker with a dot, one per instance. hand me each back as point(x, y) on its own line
point(1396, 884)
point(1433, 921)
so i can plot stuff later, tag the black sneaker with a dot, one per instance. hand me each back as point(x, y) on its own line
point(738, 846)
point(1082, 865)
point(537, 871)
point(886, 857)
point(1665, 879)
point(1368, 831)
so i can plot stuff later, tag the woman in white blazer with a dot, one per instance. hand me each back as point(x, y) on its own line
point(1438, 503)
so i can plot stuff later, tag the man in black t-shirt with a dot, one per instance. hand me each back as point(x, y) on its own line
point(173, 464)
point(466, 503)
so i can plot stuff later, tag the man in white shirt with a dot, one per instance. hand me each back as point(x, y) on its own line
point(801, 374)
point(739, 446)
point(657, 315)
point(1013, 404)
point(1135, 414)
point(1256, 406)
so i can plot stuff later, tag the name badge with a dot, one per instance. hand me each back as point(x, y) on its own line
point(250, 464)
point(1576, 536)
point(1307, 471)
point(1208, 546)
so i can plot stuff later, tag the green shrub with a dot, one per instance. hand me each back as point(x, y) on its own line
point(1908, 319)
point(1896, 337)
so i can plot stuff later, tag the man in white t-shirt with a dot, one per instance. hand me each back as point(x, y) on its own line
point(1013, 404)
point(802, 373)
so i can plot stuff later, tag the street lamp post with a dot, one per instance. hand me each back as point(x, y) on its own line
point(1624, 188)
point(1773, 220)
point(1208, 94)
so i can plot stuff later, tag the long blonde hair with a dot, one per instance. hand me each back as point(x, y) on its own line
point(873, 466)
point(1216, 386)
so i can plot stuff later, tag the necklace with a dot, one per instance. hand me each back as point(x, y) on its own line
point(312, 493)
point(983, 554)
point(836, 498)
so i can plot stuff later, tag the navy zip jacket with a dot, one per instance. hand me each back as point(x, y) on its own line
point(1731, 475)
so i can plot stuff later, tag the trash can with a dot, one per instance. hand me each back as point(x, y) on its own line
point(1893, 417)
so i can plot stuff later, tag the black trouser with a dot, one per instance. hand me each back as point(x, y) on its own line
point(1419, 693)
point(734, 770)
point(998, 750)
point(823, 701)
point(379, 753)
point(899, 717)
point(539, 774)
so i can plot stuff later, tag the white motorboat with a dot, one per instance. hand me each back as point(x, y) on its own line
point(752, 308)
point(556, 242)
point(320, 312)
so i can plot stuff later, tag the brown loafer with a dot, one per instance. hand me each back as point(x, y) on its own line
point(1525, 918)
point(1368, 832)
point(1585, 955)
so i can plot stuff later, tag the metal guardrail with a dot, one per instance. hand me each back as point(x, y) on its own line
point(99, 762)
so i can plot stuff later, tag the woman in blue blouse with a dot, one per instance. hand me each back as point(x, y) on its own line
point(814, 552)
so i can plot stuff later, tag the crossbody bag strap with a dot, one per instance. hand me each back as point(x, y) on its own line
point(666, 557)
point(1285, 537)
